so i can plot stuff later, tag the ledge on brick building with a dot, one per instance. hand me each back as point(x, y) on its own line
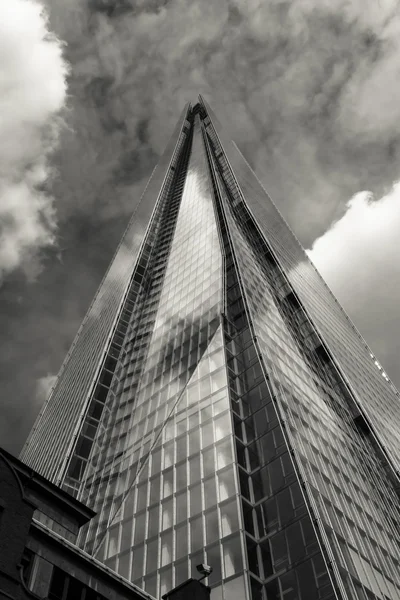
point(54, 507)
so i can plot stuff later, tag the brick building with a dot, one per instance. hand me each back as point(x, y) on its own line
point(39, 524)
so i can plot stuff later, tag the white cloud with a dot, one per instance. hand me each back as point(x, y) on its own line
point(362, 247)
point(32, 94)
point(359, 259)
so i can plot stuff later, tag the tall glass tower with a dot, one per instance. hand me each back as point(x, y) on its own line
point(218, 405)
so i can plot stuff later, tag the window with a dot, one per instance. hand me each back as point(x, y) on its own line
point(166, 548)
point(181, 541)
point(152, 555)
point(226, 484)
point(229, 517)
point(195, 499)
point(65, 587)
point(58, 584)
point(196, 533)
point(166, 514)
point(212, 530)
point(232, 552)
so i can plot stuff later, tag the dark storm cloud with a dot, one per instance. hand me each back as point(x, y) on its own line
point(117, 8)
point(111, 8)
point(98, 93)
point(310, 91)
point(136, 162)
point(133, 164)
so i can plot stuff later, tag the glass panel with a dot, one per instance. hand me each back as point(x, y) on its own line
point(208, 462)
point(181, 572)
point(124, 565)
point(196, 533)
point(170, 401)
point(151, 585)
point(232, 553)
point(167, 520)
point(210, 492)
point(165, 581)
point(214, 559)
point(181, 541)
point(113, 541)
point(181, 506)
point(140, 523)
point(152, 555)
point(168, 478)
point(235, 589)
point(181, 477)
point(224, 453)
point(229, 517)
point(195, 499)
point(153, 521)
point(226, 484)
point(194, 469)
point(166, 548)
point(212, 530)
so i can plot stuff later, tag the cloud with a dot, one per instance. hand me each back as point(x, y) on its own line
point(296, 84)
point(308, 90)
point(358, 256)
point(32, 94)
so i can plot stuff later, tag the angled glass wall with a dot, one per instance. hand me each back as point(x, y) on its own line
point(54, 434)
point(375, 396)
point(230, 412)
point(165, 486)
point(342, 474)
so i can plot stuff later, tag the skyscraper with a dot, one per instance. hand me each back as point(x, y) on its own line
point(218, 405)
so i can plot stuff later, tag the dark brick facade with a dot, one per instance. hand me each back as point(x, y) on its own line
point(38, 559)
point(15, 521)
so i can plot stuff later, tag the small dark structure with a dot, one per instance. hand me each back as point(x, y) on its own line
point(192, 589)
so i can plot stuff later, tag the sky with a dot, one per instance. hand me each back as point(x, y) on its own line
point(90, 91)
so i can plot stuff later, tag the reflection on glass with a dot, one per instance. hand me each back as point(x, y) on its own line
point(152, 556)
point(232, 556)
point(181, 541)
point(167, 520)
point(226, 484)
point(196, 534)
point(168, 477)
point(189, 362)
point(140, 523)
point(208, 462)
point(153, 521)
point(210, 492)
point(150, 584)
point(212, 532)
point(224, 453)
point(166, 548)
point(141, 496)
point(235, 589)
point(229, 517)
point(181, 572)
point(222, 426)
point(165, 581)
point(113, 541)
point(195, 499)
point(181, 506)
point(194, 469)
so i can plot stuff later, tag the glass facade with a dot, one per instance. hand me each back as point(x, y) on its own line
point(59, 422)
point(231, 414)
